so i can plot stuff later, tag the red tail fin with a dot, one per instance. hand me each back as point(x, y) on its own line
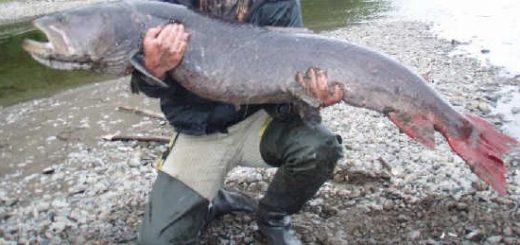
point(482, 148)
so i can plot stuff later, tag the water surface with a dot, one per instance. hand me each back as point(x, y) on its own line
point(491, 28)
point(488, 30)
point(321, 15)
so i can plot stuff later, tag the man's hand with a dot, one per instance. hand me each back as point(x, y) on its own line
point(316, 83)
point(163, 48)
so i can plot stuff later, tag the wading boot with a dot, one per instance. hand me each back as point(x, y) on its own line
point(170, 219)
point(176, 214)
point(276, 227)
point(230, 201)
point(306, 158)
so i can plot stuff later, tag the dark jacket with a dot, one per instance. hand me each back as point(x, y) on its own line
point(191, 114)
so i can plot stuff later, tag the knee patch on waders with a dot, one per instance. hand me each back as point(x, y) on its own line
point(299, 148)
point(306, 158)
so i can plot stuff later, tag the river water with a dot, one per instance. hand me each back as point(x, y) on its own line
point(488, 30)
point(491, 28)
point(22, 78)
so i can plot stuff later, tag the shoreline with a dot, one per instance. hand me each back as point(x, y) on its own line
point(386, 189)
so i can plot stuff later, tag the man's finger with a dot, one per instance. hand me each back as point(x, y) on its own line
point(312, 82)
point(177, 40)
point(335, 97)
point(167, 34)
point(175, 46)
point(152, 33)
point(182, 48)
point(321, 84)
point(186, 36)
point(183, 42)
point(301, 80)
point(181, 30)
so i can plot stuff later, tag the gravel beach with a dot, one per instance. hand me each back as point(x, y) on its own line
point(62, 183)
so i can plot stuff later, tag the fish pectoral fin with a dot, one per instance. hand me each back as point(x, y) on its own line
point(417, 126)
point(137, 62)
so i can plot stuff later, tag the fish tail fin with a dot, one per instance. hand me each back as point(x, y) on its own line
point(482, 147)
point(418, 127)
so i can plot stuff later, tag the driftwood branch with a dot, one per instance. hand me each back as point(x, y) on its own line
point(160, 139)
point(139, 111)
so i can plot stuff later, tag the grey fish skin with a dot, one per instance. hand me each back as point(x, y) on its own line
point(243, 64)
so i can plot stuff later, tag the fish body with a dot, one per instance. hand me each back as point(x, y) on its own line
point(243, 64)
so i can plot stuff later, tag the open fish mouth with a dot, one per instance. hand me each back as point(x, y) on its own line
point(58, 52)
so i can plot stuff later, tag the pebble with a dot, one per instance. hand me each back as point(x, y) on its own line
point(475, 235)
point(48, 170)
point(59, 204)
point(388, 205)
point(494, 239)
point(461, 206)
point(432, 242)
point(484, 108)
point(510, 240)
point(508, 231)
point(11, 202)
point(503, 201)
point(515, 110)
point(415, 235)
point(402, 218)
point(43, 206)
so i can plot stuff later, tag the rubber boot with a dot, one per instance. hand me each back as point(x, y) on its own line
point(175, 213)
point(276, 227)
point(306, 157)
point(230, 201)
point(286, 195)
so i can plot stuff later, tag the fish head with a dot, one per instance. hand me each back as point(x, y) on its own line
point(96, 38)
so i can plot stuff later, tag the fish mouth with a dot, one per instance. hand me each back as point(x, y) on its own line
point(58, 52)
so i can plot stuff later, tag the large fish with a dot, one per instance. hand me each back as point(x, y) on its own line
point(243, 64)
